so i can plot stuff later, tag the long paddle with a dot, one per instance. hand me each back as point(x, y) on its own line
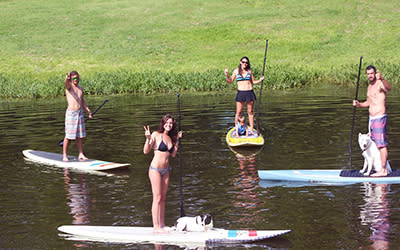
point(180, 157)
point(61, 143)
point(354, 113)
point(259, 98)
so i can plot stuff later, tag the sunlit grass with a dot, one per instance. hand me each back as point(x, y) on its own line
point(124, 47)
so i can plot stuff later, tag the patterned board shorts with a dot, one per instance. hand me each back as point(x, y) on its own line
point(74, 124)
point(377, 129)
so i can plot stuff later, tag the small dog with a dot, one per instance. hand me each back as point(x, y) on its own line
point(371, 154)
point(200, 223)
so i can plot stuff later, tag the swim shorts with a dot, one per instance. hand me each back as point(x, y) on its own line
point(245, 96)
point(74, 124)
point(377, 130)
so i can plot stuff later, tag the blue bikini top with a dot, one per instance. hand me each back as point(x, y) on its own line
point(239, 77)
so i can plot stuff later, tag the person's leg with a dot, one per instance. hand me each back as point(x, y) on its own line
point(239, 109)
point(250, 113)
point(156, 187)
point(384, 155)
point(79, 144)
point(65, 149)
point(164, 189)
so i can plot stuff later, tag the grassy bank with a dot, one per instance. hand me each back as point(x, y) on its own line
point(130, 46)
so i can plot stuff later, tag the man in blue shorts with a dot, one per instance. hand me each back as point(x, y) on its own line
point(376, 102)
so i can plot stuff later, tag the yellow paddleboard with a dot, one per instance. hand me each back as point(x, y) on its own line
point(251, 140)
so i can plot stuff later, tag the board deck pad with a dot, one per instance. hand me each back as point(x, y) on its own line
point(120, 234)
point(356, 173)
point(55, 159)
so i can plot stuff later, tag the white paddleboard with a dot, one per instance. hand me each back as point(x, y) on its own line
point(55, 159)
point(125, 234)
point(334, 176)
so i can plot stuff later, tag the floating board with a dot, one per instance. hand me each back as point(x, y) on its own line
point(125, 234)
point(54, 159)
point(240, 141)
point(336, 176)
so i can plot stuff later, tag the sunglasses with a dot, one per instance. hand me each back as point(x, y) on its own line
point(75, 79)
point(245, 62)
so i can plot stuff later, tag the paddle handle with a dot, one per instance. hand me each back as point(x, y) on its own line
point(354, 114)
point(180, 158)
point(261, 86)
point(97, 109)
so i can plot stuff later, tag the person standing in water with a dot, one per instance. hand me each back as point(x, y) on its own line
point(164, 142)
point(376, 102)
point(74, 119)
point(245, 94)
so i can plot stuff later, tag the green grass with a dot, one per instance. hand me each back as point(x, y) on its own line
point(125, 46)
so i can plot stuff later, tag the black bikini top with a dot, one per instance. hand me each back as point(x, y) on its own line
point(163, 147)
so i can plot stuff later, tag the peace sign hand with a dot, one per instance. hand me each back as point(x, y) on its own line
point(147, 132)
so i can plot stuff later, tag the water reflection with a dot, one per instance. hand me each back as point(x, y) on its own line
point(246, 182)
point(78, 196)
point(375, 213)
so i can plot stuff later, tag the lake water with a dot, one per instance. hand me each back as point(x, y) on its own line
point(303, 129)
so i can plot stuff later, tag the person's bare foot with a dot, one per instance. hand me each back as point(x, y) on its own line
point(82, 157)
point(65, 158)
point(160, 231)
point(382, 173)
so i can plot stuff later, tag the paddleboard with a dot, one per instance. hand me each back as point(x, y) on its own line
point(336, 176)
point(240, 141)
point(55, 159)
point(125, 234)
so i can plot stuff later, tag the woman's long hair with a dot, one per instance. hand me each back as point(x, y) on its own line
point(173, 134)
point(248, 65)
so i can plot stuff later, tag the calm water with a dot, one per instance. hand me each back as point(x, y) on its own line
point(303, 130)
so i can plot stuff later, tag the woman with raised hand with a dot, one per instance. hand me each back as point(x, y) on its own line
point(164, 142)
point(245, 94)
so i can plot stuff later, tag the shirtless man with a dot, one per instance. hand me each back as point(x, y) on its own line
point(74, 119)
point(376, 102)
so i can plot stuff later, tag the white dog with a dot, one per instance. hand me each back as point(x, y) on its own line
point(200, 223)
point(371, 154)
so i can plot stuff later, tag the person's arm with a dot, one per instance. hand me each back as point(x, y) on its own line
point(230, 79)
point(85, 106)
point(150, 139)
point(67, 81)
point(177, 144)
point(364, 104)
point(254, 81)
point(385, 84)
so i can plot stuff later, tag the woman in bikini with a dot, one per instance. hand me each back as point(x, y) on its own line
point(164, 143)
point(245, 95)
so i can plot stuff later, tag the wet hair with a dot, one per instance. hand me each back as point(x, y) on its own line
point(369, 67)
point(173, 134)
point(248, 67)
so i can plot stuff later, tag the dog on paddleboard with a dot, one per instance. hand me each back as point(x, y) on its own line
point(371, 154)
point(199, 223)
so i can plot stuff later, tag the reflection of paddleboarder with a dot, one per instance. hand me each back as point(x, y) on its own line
point(376, 212)
point(78, 196)
point(245, 184)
